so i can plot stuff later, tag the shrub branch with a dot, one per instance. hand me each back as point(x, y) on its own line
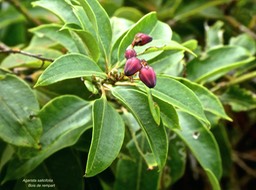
point(5, 49)
point(19, 7)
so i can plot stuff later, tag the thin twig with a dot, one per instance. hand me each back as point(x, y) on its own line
point(234, 81)
point(243, 165)
point(5, 49)
point(23, 10)
point(240, 26)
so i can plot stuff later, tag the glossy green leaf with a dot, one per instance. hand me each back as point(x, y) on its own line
point(213, 180)
point(60, 8)
point(130, 122)
point(168, 62)
point(190, 44)
point(60, 129)
point(107, 137)
point(100, 21)
point(217, 63)
point(189, 9)
point(69, 66)
point(133, 173)
point(245, 41)
point(135, 100)
point(176, 162)
point(54, 32)
point(176, 94)
point(154, 108)
point(169, 45)
point(119, 27)
point(129, 13)
point(91, 87)
point(88, 44)
point(214, 35)
point(6, 154)
point(239, 99)
point(42, 42)
point(202, 144)
point(18, 124)
point(87, 25)
point(168, 113)
point(209, 101)
point(148, 25)
point(220, 132)
point(53, 122)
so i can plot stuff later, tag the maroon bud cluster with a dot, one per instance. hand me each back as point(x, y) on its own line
point(133, 65)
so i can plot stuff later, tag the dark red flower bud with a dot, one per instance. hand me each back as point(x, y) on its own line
point(132, 66)
point(148, 76)
point(129, 53)
point(141, 39)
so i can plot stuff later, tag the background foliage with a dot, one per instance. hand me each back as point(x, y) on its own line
point(194, 130)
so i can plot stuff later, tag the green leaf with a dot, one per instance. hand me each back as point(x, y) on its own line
point(214, 35)
point(18, 124)
point(133, 173)
point(88, 44)
point(154, 108)
point(220, 132)
point(217, 62)
point(6, 154)
point(239, 99)
point(177, 155)
point(169, 45)
point(135, 100)
point(87, 25)
point(41, 41)
point(69, 66)
point(73, 109)
point(209, 101)
point(119, 27)
point(145, 25)
point(169, 115)
point(245, 41)
point(117, 39)
point(107, 137)
point(90, 86)
point(54, 32)
point(60, 129)
point(176, 94)
point(101, 23)
point(130, 122)
point(60, 8)
point(189, 9)
point(190, 44)
point(202, 144)
point(129, 13)
point(213, 180)
point(168, 62)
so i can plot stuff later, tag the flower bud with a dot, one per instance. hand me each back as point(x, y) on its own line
point(132, 66)
point(129, 53)
point(148, 76)
point(141, 39)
